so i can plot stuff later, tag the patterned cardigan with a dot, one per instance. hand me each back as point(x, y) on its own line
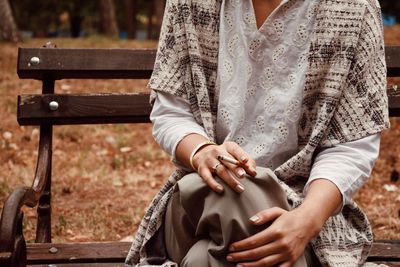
point(344, 100)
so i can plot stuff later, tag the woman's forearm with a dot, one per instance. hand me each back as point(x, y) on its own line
point(321, 202)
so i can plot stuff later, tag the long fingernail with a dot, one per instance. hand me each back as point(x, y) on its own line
point(220, 188)
point(241, 173)
point(229, 258)
point(255, 219)
point(253, 170)
point(240, 188)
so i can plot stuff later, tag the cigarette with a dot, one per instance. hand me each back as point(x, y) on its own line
point(228, 159)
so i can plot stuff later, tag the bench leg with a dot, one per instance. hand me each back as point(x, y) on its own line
point(43, 230)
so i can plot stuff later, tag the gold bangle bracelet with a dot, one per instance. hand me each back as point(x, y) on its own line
point(197, 148)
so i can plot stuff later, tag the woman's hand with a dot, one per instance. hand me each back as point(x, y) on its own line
point(285, 240)
point(206, 163)
point(281, 243)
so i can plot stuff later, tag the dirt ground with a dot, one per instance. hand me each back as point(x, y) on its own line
point(105, 175)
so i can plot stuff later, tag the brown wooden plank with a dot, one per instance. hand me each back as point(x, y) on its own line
point(61, 63)
point(84, 109)
point(108, 264)
point(388, 251)
point(385, 251)
point(393, 60)
point(100, 108)
point(78, 252)
point(387, 263)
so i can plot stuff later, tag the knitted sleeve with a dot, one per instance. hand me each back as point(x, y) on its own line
point(363, 107)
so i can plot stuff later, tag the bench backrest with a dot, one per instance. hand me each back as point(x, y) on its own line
point(50, 64)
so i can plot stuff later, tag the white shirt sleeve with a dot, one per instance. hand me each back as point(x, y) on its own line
point(346, 165)
point(172, 121)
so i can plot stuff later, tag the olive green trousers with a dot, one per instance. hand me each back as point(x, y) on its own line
point(201, 224)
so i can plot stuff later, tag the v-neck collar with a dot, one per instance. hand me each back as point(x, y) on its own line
point(263, 25)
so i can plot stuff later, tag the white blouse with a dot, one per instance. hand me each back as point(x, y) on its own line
point(261, 74)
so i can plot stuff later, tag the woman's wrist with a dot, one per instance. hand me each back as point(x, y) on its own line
point(322, 200)
point(186, 146)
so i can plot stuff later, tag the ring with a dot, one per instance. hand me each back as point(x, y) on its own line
point(214, 169)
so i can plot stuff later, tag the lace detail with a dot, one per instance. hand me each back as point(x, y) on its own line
point(260, 122)
point(269, 102)
point(281, 133)
point(228, 70)
point(267, 78)
point(229, 22)
point(259, 149)
point(235, 48)
point(301, 36)
point(279, 58)
point(254, 51)
point(274, 30)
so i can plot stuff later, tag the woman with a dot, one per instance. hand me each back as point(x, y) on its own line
point(294, 86)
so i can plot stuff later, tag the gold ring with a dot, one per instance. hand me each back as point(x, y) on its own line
point(214, 169)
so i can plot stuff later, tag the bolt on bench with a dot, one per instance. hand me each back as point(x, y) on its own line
point(47, 109)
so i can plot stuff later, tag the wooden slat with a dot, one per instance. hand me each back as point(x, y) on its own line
point(112, 252)
point(116, 252)
point(108, 264)
point(84, 109)
point(385, 251)
point(393, 60)
point(100, 108)
point(394, 105)
point(61, 63)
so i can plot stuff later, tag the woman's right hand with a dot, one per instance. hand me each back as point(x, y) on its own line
point(207, 164)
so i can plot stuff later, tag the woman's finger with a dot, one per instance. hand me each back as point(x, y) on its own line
point(227, 176)
point(261, 238)
point(208, 178)
point(267, 215)
point(268, 261)
point(255, 254)
point(244, 159)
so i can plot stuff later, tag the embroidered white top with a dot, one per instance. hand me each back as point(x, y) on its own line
point(260, 80)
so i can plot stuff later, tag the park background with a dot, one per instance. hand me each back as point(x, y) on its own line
point(104, 176)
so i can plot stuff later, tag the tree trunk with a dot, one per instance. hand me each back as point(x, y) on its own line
point(150, 15)
point(131, 23)
point(159, 14)
point(108, 21)
point(8, 28)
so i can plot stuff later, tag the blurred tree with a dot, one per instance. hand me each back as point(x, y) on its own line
point(159, 14)
point(8, 28)
point(131, 22)
point(108, 21)
point(390, 7)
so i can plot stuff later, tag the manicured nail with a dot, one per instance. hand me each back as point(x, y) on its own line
point(244, 159)
point(253, 170)
point(241, 173)
point(240, 188)
point(255, 219)
point(220, 188)
point(229, 258)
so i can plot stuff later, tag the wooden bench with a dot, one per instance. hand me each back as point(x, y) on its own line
point(48, 109)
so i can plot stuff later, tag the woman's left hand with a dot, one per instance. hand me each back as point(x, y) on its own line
point(281, 243)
